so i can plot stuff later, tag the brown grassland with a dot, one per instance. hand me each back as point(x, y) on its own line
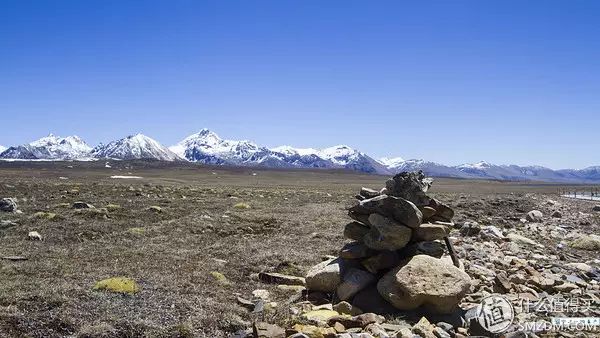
point(293, 220)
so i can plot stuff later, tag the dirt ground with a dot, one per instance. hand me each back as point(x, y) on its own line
point(293, 220)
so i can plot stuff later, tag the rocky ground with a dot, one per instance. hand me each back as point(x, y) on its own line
point(180, 252)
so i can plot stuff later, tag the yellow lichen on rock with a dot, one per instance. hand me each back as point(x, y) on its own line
point(220, 278)
point(118, 284)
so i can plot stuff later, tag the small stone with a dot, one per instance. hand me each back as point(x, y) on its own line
point(430, 232)
point(470, 229)
point(557, 214)
point(34, 236)
point(534, 216)
point(278, 278)
point(261, 294)
point(5, 224)
point(596, 208)
point(423, 328)
point(155, 209)
point(266, 330)
point(368, 193)
point(82, 205)
point(320, 315)
point(440, 333)
point(8, 204)
point(220, 278)
point(346, 308)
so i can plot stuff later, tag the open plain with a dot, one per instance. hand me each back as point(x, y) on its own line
point(194, 237)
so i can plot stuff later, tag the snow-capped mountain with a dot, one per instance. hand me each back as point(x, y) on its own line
point(207, 147)
point(2, 148)
point(50, 147)
point(134, 147)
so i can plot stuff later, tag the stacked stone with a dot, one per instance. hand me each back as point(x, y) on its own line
point(396, 249)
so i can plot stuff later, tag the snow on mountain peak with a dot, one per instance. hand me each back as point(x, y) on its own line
point(291, 151)
point(391, 162)
point(2, 148)
point(138, 146)
point(479, 165)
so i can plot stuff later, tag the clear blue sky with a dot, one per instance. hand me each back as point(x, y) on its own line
point(447, 81)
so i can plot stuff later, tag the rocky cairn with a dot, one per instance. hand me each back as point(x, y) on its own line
point(396, 253)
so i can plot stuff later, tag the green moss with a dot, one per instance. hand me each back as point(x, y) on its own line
point(220, 278)
point(113, 207)
point(242, 205)
point(118, 285)
point(44, 215)
point(136, 231)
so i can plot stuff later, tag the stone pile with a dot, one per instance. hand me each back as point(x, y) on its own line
point(395, 254)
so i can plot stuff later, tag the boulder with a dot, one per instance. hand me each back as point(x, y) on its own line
point(368, 193)
point(430, 232)
point(425, 281)
point(354, 280)
point(534, 216)
point(410, 186)
point(427, 212)
point(8, 205)
point(399, 209)
point(325, 276)
point(355, 230)
point(355, 250)
point(383, 260)
point(386, 234)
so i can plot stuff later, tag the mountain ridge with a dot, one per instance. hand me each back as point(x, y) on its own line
point(207, 147)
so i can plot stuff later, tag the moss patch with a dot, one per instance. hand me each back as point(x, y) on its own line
point(118, 285)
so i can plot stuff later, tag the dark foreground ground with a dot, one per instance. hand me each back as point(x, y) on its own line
point(294, 219)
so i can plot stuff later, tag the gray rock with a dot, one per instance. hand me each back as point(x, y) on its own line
point(386, 234)
point(82, 205)
point(346, 308)
point(399, 209)
point(356, 230)
point(596, 208)
point(5, 224)
point(430, 232)
point(354, 281)
point(492, 233)
point(557, 214)
point(355, 250)
point(381, 261)
point(369, 193)
point(470, 229)
point(425, 281)
point(8, 204)
point(325, 276)
point(534, 216)
point(411, 186)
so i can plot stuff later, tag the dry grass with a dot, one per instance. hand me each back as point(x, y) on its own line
point(295, 218)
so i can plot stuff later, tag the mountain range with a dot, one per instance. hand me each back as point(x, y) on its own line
point(207, 147)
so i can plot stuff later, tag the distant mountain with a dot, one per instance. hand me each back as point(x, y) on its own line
point(207, 147)
point(134, 147)
point(50, 148)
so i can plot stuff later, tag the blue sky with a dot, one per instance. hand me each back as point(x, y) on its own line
point(448, 81)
